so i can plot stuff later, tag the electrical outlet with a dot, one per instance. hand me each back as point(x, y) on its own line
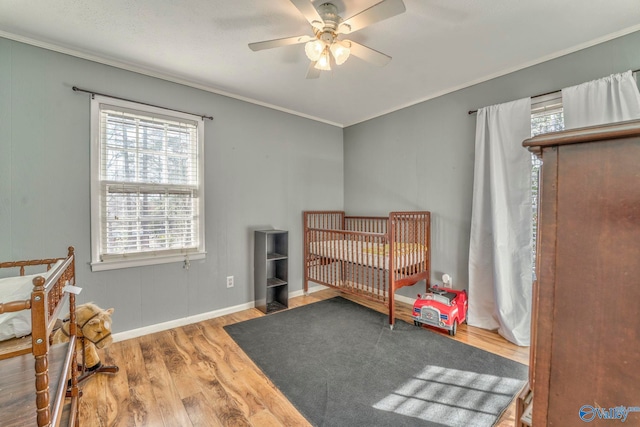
point(229, 281)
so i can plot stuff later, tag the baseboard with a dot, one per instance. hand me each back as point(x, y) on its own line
point(406, 300)
point(312, 289)
point(159, 327)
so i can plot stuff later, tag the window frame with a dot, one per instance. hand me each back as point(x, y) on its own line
point(137, 259)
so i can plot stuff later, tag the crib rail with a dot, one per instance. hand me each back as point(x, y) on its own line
point(341, 233)
point(349, 260)
point(22, 264)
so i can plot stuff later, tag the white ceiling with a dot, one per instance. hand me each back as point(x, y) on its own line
point(437, 45)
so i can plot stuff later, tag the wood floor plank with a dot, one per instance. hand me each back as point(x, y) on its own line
point(205, 374)
point(116, 390)
point(196, 375)
point(177, 359)
point(254, 379)
point(273, 398)
point(141, 402)
point(169, 404)
point(211, 355)
point(219, 399)
point(264, 419)
point(95, 390)
point(201, 412)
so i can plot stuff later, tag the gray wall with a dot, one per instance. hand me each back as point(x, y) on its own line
point(262, 167)
point(422, 157)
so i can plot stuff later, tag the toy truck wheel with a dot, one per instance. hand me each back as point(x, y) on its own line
point(466, 317)
point(454, 329)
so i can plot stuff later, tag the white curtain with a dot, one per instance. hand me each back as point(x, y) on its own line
point(611, 99)
point(500, 264)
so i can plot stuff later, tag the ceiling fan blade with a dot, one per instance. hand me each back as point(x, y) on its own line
point(270, 44)
point(312, 71)
point(376, 13)
point(310, 13)
point(368, 54)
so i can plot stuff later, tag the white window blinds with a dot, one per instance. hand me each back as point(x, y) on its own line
point(547, 114)
point(149, 183)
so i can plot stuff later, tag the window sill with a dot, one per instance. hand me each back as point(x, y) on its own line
point(141, 262)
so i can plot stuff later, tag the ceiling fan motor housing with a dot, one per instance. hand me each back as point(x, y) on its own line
point(329, 14)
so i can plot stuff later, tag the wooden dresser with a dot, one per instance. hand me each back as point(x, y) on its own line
point(585, 344)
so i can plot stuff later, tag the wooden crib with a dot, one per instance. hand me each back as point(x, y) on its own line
point(34, 377)
point(371, 257)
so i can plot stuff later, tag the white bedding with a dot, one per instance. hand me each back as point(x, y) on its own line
point(18, 324)
point(369, 253)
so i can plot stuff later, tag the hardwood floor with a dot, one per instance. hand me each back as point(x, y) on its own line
point(196, 375)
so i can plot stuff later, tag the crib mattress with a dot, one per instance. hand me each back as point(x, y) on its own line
point(370, 254)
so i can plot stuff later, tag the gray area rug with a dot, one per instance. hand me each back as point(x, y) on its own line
point(340, 365)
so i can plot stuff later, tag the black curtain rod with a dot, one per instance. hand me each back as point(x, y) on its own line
point(543, 94)
point(77, 89)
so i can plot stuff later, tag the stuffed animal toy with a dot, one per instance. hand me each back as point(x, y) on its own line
point(94, 325)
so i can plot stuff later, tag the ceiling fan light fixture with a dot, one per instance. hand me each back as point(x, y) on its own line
point(323, 47)
point(324, 62)
point(341, 51)
point(314, 49)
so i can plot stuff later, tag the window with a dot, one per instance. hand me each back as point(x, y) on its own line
point(147, 199)
point(546, 116)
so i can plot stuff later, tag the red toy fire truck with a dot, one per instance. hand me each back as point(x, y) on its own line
point(442, 308)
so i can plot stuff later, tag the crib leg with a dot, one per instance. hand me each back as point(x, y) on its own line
point(391, 326)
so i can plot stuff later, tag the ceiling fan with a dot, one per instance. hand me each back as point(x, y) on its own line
point(324, 47)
